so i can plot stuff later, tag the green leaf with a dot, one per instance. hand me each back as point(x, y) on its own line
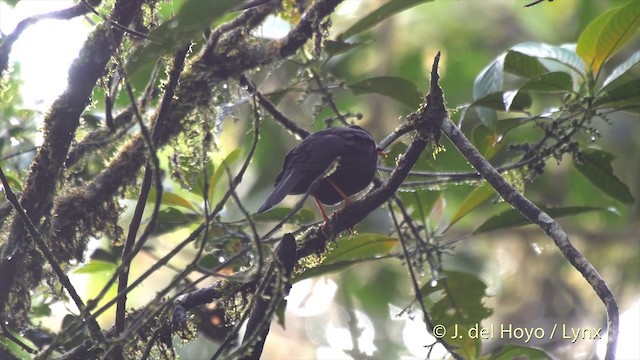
point(630, 105)
point(523, 65)
point(505, 125)
point(419, 203)
point(277, 96)
point(607, 34)
point(279, 213)
point(209, 261)
point(199, 188)
point(172, 199)
point(11, 2)
point(360, 247)
point(14, 183)
point(477, 197)
point(505, 101)
point(95, 266)
point(396, 88)
point(193, 17)
point(457, 304)
point(487, 141)
point(335, 47)
point(231, 158)
point(389, 9)
point(280, 313)
point(622, 73)
point(512, 218)
point(12, 351)
point(596, 167)
point(170, 219)
point(509, 352)
point(489, 82)
point(628, 90)
point(554, 58)
point(351, 250)
point(554, 82)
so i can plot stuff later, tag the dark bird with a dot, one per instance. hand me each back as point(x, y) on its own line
point(356, 154)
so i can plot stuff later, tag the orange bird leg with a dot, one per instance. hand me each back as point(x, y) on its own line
point(324, 215)
point(347, 199)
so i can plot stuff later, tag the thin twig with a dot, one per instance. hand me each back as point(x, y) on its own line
point(415, 283)
point(93, 326)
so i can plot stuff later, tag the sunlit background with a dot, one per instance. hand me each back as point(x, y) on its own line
point(317, 326)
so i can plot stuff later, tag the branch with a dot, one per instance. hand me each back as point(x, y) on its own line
point(93, 326)
point(266, 303)
point(60, 126)
point(152, 170)
point(544, 222)
point(196, 87)
point(64, 14)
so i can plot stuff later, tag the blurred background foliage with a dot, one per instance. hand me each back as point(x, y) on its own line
point(528, 283)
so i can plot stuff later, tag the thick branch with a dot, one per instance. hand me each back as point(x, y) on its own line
point(60, 126)
point(544, 222)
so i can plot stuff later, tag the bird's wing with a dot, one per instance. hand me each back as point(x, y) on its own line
point(306, 162)
point(321, 153)
point(289, 180)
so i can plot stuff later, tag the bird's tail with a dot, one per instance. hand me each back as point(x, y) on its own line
point(282, 189)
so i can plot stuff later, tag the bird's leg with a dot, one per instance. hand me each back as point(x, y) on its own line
point(347, 199)
point(324, 215)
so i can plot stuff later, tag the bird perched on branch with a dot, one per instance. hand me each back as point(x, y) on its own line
point(346, 156)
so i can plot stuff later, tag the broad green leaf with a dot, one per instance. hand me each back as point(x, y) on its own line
point(280, 313)
point(176, 33)
point(621, 74)
point(505, 101)
point(512, 218)
point(554, 82)
point(630, 105)
point(523, 65)
point(419, 203)
point(396, 88)
point(489, 82)
point(554, 58)
point(231, 158)
point(170, 219)
point(607, 34)
point(477, 197)
point(359, 247)
point(276, 96)
point(209, 261)
point(625, 91)
point(596, 167)
point(505, 125)
point(389, 9)
point(199, 188)
point(12, 351)
point(486, 141)
point(279, 213)
point(351, 250)
point(457, 303)
point(335, 47)
point(510, 352)
point(173, 199)
point(94, 266)
point(11, 2)
point(14, 183)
